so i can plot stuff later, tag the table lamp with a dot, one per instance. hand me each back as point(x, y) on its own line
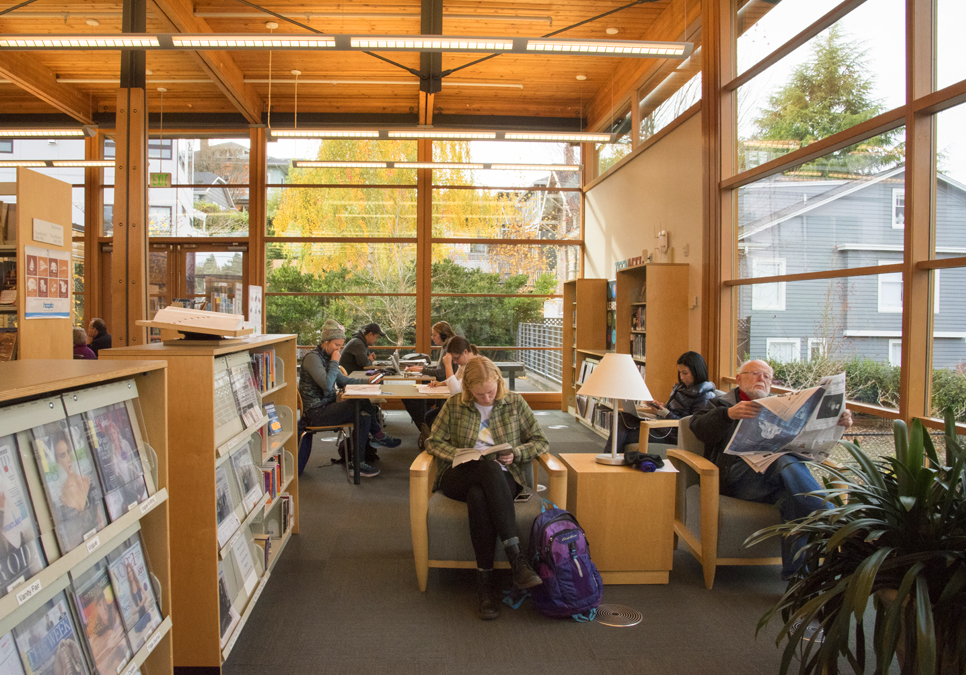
point(615, 377)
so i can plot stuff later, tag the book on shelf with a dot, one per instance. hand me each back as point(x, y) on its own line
point(263, 542)
point(132, 586)
point(272, 477)
point(228, 617)
point(464, 455)
point(70, 482)
point(225, 514)
point(288, 512)
point(8, 344)
point(274, 423)
point(116, 453)
point(637, 346)
point(8, 223)
point(263, 367)
point(9, 658)
point(100, 618)
point(248, 476)
point(21, 555)
point(48, 640)
point(8, 296)
point(639, 318)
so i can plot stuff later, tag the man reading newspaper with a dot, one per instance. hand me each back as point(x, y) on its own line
point(752, 436)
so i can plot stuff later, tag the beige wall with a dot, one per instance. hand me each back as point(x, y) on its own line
point(658, 189)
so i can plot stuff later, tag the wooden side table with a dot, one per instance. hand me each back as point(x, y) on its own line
point(628, 516)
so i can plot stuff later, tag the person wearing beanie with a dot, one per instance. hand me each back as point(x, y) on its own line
point(356, 356)
point(318, 387)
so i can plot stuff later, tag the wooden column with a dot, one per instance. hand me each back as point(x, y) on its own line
point(257, 212)
point(424, 248)
point(93, 222)
point(917, 301)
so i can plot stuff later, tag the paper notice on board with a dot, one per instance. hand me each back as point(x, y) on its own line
point(47, 281)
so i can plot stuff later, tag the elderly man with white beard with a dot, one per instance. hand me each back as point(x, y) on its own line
point(785, 482)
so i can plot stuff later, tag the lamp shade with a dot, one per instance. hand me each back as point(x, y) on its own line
point(616, 376)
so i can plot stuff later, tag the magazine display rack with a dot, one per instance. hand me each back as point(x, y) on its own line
point(584, 313)
point(234, 497)
point(85, 443)
point(43, 210)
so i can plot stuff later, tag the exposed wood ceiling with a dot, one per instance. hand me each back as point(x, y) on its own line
point(235, 84)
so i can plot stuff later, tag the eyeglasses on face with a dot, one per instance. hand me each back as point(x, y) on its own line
point(757, 374)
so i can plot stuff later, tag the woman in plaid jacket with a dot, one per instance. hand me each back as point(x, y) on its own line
point(485, 414)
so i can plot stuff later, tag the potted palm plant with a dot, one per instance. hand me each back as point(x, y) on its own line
point(894, 538)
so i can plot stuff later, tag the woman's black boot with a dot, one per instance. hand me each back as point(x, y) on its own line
point(523, 574)
point(489, 605)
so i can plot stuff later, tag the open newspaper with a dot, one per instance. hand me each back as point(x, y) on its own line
point(804, 423)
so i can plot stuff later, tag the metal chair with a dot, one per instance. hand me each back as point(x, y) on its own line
point(343, 434)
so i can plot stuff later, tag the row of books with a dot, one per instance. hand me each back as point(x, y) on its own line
point(639, 319)
point(637, 346)
point(272, 477)
point(263, 368)
point(8, 344)
point(224, 303)
point(96, 625)
point(93, 468)
point(8, 224)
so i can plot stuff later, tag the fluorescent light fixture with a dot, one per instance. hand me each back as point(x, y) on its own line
point(40, 132)
point(444, 134)
point(309, 164)
point(668, 50)
point(57, 163)
point(118, 41)
point(18, 163)
point(434, 43)
point(315, 164)
point(559, 137)
point(324, 133)
point(219, 41)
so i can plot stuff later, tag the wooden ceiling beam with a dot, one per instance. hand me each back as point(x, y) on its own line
point(23, 70)
point(219, 65)
point(631, 73)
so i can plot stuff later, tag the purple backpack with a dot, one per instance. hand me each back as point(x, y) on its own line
point(571, 583)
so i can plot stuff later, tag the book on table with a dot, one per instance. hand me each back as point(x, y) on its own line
point(464, 455)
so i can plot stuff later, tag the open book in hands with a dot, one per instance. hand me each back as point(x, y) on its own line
point(472, 454)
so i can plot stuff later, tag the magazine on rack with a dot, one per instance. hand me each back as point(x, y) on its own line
point(804, 423)
point(225, 515)
point(247, 398)
point(21, 556)
point(48, 641)
point(134, 592)
point(70, 481)
point(100, 617)
point(116, 454)
point(249, 477)
point(227, 614)
point(9, 658)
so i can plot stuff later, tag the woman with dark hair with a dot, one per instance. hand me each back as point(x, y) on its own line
point(459, 352)
point(691, 391)
point(442, 333)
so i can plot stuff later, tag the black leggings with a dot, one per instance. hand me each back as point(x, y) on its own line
point(488, 491)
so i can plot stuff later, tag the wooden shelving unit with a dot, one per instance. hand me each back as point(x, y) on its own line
point(665, 302)
point(196, 550)
point(45, 199)
point(584, 315)
point(22, 383)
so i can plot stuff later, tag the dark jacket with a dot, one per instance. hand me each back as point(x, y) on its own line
point(683, 401)
point(355, 353)
point(712, 426)
point(438, 370)
point(320, 377)
point(101, 341)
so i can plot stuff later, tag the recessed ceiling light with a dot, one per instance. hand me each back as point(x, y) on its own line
point(271, 25)
point(149, 72)
point(581, 77)
point(613, 31)
point(93, 22)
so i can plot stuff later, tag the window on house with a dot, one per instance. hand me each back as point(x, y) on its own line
point(6, 145)
point(895, 352)
point(159, 148)
point(109, 149)
point(898, 208)
point(890, 290)
point(768, 296)
point(816, 348)
point(783, 350)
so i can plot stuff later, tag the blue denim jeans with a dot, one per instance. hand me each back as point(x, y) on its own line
point(784, 483)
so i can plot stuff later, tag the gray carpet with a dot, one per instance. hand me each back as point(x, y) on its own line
point(343, 598)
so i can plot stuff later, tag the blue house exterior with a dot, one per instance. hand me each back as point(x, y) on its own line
point(789, 226)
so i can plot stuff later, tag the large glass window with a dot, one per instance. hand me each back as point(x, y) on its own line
point(345, 211)
point(836, 212)
point(843, 76)
point(950, 48)
point(609, 154)
point(763, 27)
point(949, 346)
point(951, 182)
point(662, 104)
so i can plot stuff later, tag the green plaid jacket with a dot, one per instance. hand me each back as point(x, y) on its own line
point(512, 421)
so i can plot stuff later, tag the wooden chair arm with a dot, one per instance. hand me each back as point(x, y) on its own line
point(659, 424)
point(420, 465)
point(552, 465)
point(557, 473)
point(422, 472)
point(698, 464)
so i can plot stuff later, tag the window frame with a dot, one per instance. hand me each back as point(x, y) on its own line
point(897, 194)
point(895, 342)
point(756, 304)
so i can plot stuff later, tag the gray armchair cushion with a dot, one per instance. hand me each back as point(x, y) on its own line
point(737, 520)
point(449, 528)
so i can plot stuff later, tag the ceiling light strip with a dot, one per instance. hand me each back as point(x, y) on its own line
point(57, 163)
point(319, 164)
point(40, 132)
point(436, 133)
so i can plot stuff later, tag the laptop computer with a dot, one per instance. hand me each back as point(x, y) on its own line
point(631, 408)
point(398, 366)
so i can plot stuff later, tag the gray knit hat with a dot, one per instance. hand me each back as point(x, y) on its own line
point(332, 330)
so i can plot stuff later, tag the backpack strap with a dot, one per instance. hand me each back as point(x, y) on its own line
point(585, 618)
point(546, 504)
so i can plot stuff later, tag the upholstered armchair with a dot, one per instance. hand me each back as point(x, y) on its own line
point(440, 526)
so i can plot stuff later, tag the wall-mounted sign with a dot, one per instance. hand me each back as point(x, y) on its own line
point(160, 180)
point(48, 233)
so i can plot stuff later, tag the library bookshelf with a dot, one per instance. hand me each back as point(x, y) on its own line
point(656, 294)
point(199, 553)
point(584, 317)
point(25, 387)
point(43, 205)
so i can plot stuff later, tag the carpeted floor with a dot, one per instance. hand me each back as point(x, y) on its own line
point(344, 599)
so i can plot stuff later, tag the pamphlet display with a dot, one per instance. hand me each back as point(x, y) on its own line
point(21, 556)
point(228, 521)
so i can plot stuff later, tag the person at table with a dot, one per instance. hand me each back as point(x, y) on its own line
point(441, 335)
point(357, 353)
point(318, 386)
point(786, 482)
point(81, 350)
point(486, 414)
point(691, 392)
point(100, 338)
point(459, 352)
